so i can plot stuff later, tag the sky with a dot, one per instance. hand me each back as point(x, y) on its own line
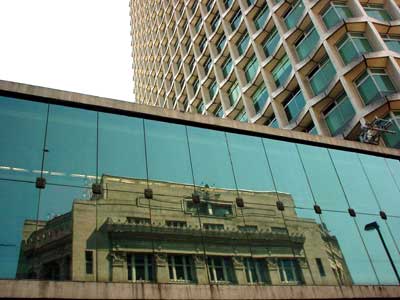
point(82, 46)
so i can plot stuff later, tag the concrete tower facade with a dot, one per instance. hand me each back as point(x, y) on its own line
point(323, 67)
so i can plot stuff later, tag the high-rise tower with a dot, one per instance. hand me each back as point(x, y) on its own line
point(323, 67)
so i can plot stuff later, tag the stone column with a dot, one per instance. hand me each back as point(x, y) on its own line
point(200, 269)
point(308, 280)
point(118, 266)
point(238, 268)
point(161, 267)
point(273, 269)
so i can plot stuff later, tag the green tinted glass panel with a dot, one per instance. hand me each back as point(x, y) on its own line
point(271, 43)
point(339, 116)
point(260, 98)
point(384, 84)
point(22, 132)
point(227, 67)
point(335, 14)
point(236, 21)
point(260, 19)
point(244, 42)
point(251, 69)
point(322, 78)
point(368, 90)
point(378, 14)
point(234, 93)
point(282, 71)
point(120, 152)
point(71, 158)
point(295, 106)
point(393, 45)
point(392, 139)
point(307, 44)
point(294, 15)
point(213, 89)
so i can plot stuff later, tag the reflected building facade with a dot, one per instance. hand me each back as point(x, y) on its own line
point(171, 234)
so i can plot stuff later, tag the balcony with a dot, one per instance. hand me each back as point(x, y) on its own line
point(352, 46)
point(322, 76)
point(374, 84)
point(307, 44)
point(338, 115)
point(336, 13)
point(260, 97)
point(294, 106)
point(282, 71)
point(271, 42)
point(251, 69)
point(377, 11)
point(293, 16)
point(261, 17)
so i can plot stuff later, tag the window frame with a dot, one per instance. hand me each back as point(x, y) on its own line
point(148, 266)
point(370, 74)
point(187, 268)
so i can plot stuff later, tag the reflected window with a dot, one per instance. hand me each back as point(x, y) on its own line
point(89, 262)
point(320, 267)
point(256, 270)
point(212, 226)
point(289, 271)
point(210, 209)
point(176, 224)
point(248, 228)
point(181, 268)
point(221, 269)
point(138, 221)
point(140, 267)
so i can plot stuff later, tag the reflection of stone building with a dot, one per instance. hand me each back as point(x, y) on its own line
point(171, 238)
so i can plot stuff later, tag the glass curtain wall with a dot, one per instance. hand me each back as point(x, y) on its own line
point(161, 202)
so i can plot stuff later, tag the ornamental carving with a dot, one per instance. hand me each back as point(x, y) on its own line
point(117, 258)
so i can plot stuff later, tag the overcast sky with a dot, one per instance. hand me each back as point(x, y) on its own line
point(75, 45)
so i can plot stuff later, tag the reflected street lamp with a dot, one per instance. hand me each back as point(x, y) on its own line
point(372, 226)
